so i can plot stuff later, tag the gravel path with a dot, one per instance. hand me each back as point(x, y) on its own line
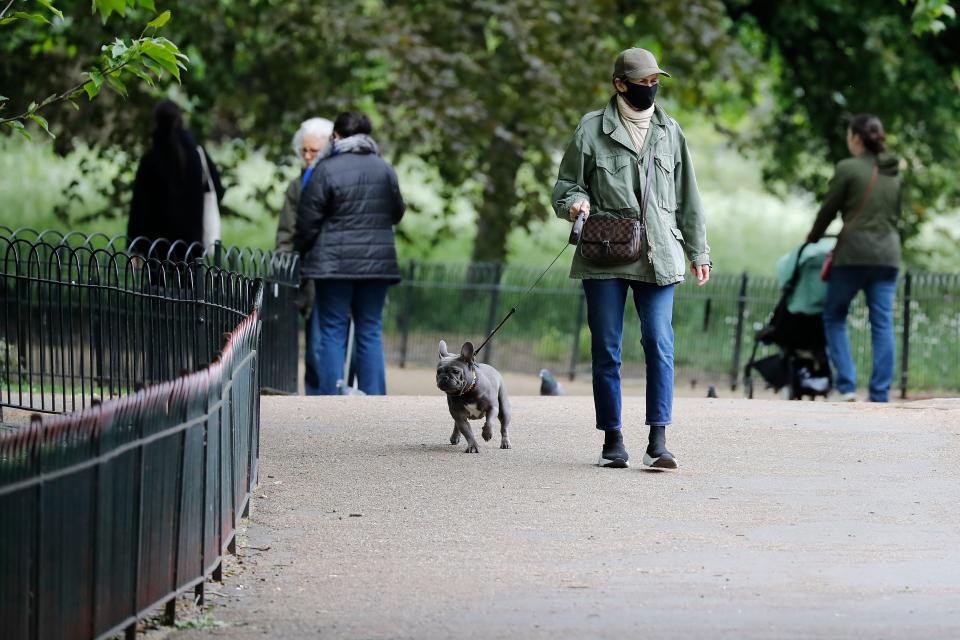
point(786, 520)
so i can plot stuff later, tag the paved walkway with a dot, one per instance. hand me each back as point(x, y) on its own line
point(786, 520)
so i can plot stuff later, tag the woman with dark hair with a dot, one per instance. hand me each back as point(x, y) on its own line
point(628, 164)
point(865, 189)
point(345, 219)
point(169, 188)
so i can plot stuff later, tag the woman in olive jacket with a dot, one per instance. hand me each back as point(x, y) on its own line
point(866, 189)
point(604, 173)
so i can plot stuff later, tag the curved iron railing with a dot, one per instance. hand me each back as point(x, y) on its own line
point(113, 510)
point(98, 259)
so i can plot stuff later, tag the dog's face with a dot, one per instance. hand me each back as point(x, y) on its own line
point(455, 372)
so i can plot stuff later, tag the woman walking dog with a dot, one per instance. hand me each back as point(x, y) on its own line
point(629, 170)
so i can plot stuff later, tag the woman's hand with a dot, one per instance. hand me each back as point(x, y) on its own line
point(701, 273)
point(577, 207)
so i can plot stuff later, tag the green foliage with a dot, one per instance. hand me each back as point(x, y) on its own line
point(930, 15)
point(828, 61)
point(483, 95)
point(487, 92)
point(147, 57)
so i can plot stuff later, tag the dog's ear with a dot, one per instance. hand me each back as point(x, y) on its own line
point(466, 352)
point(443, 350)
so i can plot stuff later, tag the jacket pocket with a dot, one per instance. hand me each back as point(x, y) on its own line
point(614, 182)
point(664, 183)
point(679, 251)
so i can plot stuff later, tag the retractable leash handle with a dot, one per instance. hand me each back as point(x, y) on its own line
point(577, 229)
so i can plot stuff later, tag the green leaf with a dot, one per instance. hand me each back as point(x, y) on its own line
point(117, 84)
point(4, 98)
point(38, 18)
point(147, 4)
point(138, 70)
point(163, 57)
point(50, 98)
point(40, 120)
point(93, 86)
point(106, 7)
point(32, 107)
point(91, 89)
point(152, 66)
point(17, 126)
point(52, 9)
point(160, 20)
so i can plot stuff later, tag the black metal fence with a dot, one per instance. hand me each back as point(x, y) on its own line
point(39, 360)
point(110, 511)
point(714, 325)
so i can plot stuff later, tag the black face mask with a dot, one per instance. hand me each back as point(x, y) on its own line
point(640, 96)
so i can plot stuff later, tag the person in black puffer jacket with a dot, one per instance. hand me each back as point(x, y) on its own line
point(344, 234)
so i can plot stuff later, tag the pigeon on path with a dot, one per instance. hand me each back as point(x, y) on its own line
point(346, 390)
point(549, 385)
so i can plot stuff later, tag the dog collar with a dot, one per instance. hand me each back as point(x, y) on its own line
point(473, 384)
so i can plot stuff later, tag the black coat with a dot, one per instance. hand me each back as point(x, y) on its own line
point(168, 192)
point(345, 219)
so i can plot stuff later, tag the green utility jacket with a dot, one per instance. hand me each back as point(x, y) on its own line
point(871, 237)
point(602, 166)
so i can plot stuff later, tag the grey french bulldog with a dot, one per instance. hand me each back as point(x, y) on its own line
point(474, 390)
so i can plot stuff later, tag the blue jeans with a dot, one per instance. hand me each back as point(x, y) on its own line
point(606, 300)
point(879, 284)
point(335, 303)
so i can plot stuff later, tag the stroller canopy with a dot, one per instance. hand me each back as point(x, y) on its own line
point(809, 295)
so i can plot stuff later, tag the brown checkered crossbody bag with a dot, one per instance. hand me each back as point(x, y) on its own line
point(616, 241)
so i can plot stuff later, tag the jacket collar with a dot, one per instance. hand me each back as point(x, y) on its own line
point(613, 127)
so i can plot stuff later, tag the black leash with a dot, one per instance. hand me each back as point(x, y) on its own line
point(574, 240)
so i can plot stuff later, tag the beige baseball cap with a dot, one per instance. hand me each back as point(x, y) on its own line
point(636, 64)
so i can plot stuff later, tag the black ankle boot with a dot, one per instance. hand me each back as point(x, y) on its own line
point(656, 455)
point(614, 454)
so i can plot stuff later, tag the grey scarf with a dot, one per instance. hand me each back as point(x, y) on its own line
point(360, 143)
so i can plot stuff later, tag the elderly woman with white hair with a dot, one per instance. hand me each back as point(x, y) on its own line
point(309, 142)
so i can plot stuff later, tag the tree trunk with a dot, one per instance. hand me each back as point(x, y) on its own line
point(495, 213)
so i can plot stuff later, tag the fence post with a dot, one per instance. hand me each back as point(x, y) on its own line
point(492, 315)
point(407, 312)
point(905, 355)
point(738, 337)
point(217, 253)
point(578, 326)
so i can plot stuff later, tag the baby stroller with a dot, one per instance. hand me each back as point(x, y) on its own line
point(796, 327)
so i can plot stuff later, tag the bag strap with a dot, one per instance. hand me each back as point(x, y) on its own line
point(646, 191)
point(866, 196)
point(206, 171)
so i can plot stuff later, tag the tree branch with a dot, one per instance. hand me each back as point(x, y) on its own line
point(5, 9)
point(63, 96)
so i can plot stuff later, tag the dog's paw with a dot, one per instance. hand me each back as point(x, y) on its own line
point(472, 449)
point(504, 444)
point(455, 439)
point(487, 432)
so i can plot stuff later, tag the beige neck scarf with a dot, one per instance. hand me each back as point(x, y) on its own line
point(636, 122)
